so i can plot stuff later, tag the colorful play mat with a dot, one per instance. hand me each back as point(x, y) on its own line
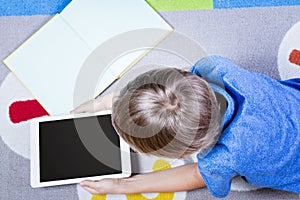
point(262, 36)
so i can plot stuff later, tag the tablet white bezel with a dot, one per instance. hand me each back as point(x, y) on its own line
point(35, 158)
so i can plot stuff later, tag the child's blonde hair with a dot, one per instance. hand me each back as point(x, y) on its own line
point(167, 112)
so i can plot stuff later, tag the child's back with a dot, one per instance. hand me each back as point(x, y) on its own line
point(261, 136)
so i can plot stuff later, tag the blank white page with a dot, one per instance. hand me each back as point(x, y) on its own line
point(97, 21)
point(50, 63)
point(103, 21)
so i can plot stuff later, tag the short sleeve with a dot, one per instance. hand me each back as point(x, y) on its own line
point(215, 68)
point(216, 171)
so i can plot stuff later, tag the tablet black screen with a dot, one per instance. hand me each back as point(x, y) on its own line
point(76, 148)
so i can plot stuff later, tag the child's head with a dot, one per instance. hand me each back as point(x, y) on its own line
point(167, 112)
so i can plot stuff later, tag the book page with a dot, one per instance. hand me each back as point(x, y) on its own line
point(121, 27)
point(48, 64)
point(80, 52)
point(96, 21)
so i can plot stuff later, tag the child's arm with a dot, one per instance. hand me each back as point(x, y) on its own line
point(182, 178)
point(94, 105)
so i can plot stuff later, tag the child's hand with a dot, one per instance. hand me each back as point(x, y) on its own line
point(181, 178)
point(95, 105)
point(104, 186)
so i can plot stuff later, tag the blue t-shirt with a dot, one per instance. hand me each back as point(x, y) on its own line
point(260, 140)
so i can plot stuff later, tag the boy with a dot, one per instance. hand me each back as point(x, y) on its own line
point(249, 128)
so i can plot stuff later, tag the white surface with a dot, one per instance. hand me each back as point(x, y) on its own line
point(98, 20)
point(48, 65)
point(291, 41)
point(50, 62)
point(15, 136)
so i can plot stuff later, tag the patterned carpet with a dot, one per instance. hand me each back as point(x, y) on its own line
point(259, 36)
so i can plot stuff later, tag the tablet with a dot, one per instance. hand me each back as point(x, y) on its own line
point(70, 149)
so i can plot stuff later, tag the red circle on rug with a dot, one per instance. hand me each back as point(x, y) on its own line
point(20, 111)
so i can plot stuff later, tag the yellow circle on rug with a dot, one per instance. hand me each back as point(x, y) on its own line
point(158, 165)
point(99, 197)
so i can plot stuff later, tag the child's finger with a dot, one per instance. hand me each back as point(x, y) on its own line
point(85, 107)
point(90, 190)
point(79, 109)
point(90, 184)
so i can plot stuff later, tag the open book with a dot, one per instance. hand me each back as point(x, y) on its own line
point(81, 51)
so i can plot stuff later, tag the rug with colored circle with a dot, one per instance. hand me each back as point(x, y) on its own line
point(261, 36)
